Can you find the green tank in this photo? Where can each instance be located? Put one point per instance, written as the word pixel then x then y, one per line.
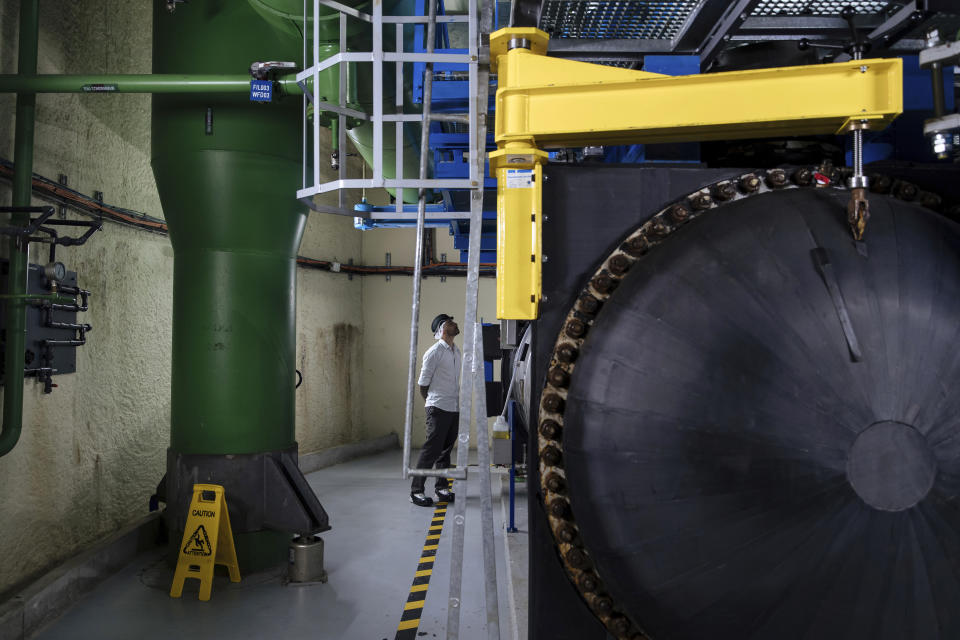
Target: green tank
pixel 227 171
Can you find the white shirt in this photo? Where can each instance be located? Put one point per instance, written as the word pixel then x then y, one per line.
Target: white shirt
pixel 441 372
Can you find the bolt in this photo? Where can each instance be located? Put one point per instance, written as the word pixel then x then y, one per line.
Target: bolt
pixel 679 213
pixel 567 533
pixel 724 191
pixel 588 304
pixel 637 245
pixel 566 353
pixel 701 201
pixel 553 403
pixel 620 625
pixel 551 455
pixel 558 377
pixel 776 178
pixel 559 508
pixel 905 191
pixel 602 283
pixel 575 328
pixel 550 429
pixel 658 227
pixel 544 258
pixel 577 559
pixel 749 183
pixel 619 264
pixel 554 482
pixel 589 583
pixel 803 177
pixel 604 604
pixel 930 200
pixel 863 68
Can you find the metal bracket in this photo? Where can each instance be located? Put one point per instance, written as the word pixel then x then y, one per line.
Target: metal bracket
pixel 264 490
pixel 264 70
pixel 62 209
pixel 945 54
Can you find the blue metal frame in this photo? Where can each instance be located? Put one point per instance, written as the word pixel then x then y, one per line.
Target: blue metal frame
pixel 450 149
pixel 511 420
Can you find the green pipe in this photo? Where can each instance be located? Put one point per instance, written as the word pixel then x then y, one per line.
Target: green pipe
pixel 138 83
pixel 16 317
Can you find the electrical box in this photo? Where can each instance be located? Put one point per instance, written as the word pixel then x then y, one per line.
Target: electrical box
pixel 53 332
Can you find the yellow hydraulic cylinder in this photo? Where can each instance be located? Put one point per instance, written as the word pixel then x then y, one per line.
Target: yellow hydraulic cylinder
pixel 549 102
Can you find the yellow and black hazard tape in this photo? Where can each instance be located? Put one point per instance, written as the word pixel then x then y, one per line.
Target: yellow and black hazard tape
pixel 413 609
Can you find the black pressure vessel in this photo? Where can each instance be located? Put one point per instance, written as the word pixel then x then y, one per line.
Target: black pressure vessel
pixel 761 430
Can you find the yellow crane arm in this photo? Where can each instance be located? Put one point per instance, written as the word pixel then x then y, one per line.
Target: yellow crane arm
pixel 547 102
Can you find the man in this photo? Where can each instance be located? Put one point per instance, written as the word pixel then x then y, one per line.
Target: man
pixel 440 387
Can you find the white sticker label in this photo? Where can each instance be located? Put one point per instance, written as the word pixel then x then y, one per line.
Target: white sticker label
pixel 520 178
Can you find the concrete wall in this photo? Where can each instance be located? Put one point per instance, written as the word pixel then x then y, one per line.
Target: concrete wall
pixel 93 451
pixel 386 321
pixel 329 338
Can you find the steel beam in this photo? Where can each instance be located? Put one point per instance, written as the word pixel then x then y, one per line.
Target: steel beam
pixel 796 27
pixel 564 103
pixel 583 47
pixel 736 15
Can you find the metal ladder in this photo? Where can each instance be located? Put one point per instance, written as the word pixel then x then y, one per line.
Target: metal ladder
pixel 472 389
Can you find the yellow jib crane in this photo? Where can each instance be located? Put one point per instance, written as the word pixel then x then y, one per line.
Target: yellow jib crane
pixel 547 102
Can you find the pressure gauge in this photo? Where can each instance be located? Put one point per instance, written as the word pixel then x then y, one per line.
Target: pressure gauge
pixel 55 271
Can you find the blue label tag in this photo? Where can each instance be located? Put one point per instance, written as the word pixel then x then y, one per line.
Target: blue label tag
pixel 261 90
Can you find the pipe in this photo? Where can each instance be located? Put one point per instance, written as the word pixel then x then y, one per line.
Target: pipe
pixel 418 250
pixel 939 104
pixel 16 317
pixel 137 83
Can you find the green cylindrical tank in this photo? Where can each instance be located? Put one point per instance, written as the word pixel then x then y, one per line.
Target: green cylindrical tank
pixel 227 171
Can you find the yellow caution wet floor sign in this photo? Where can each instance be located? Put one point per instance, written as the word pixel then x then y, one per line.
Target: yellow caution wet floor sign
pixel 207 540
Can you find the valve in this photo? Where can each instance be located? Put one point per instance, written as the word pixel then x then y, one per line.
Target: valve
pixel 172 4
pixel 263 70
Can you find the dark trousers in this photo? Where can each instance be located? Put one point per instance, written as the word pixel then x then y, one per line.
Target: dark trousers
pixel 441 435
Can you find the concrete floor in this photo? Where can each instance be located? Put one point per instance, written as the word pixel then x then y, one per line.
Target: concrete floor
pixel 371 554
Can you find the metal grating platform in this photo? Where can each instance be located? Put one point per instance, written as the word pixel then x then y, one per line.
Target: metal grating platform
pixel 817 7
pixel 621 19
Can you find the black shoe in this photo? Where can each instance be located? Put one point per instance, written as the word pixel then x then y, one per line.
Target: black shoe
pixel 445 495
pixel 421 500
